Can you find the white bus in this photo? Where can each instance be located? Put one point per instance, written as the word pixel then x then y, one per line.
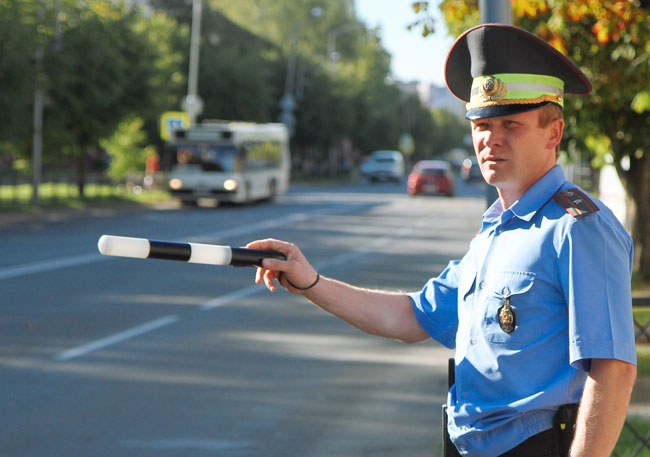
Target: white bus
pixel 235 162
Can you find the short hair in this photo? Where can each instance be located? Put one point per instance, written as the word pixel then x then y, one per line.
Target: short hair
pixel 549 113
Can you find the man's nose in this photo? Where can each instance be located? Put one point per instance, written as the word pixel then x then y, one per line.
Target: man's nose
pixel 493 137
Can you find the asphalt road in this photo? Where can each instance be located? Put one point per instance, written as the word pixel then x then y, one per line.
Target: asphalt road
pixel 106 357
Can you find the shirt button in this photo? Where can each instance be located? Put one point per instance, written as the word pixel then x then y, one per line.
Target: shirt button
pixel 473 341
pixel 481 284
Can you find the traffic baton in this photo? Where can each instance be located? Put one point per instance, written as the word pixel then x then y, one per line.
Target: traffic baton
pixel 210 254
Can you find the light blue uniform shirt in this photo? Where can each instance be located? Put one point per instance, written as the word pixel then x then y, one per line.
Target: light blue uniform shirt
pixel 568 280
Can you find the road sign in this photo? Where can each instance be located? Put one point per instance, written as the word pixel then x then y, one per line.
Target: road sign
pixel 171 121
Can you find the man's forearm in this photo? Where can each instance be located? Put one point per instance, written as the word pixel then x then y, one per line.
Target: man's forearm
pixel 603 408
pixel 387 314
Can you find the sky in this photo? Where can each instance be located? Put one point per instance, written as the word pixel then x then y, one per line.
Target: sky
pixel 414 57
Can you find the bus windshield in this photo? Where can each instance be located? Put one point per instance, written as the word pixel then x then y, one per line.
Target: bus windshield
pixel 210 157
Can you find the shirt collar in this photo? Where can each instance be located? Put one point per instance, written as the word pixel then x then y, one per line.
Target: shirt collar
pixel 529 203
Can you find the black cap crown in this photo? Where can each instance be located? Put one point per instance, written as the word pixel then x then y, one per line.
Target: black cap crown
pixel 500 69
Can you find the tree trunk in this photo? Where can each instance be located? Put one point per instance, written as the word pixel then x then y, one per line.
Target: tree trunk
pixel 638 192
pixel 81 173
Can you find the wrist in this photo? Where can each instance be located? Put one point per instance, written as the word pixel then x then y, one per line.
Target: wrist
pixel 301 289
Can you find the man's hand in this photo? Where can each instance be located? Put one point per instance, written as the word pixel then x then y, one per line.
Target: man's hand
pixel 295 268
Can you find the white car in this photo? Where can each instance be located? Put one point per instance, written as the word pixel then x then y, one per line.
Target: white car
pixel 384 166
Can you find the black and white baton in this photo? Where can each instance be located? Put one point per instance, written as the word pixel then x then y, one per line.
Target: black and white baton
pixel 211 254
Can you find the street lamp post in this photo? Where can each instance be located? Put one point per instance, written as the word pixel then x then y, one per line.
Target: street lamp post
pixel 288 100
pixel 192 103
pixel 332 55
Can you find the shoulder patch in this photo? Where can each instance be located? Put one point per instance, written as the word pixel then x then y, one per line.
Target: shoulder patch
pixel 576 203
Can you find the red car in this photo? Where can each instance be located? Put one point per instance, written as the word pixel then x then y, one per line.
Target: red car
pixel 431 177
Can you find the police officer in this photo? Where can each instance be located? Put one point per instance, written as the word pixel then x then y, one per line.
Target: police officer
pixel 539 309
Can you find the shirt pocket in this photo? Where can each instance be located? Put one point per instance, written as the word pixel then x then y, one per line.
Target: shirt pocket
pixel 518 287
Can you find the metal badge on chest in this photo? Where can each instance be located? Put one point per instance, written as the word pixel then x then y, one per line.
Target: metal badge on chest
pixel 507 318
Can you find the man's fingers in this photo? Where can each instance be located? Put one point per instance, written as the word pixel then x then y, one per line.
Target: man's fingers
pixel 269 280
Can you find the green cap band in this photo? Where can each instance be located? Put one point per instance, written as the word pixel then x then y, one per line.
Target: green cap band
pixel 515 88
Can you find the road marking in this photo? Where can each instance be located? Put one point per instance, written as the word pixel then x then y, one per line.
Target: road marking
pixel 232 296
pixel 228 298
pixel 48 265
pixel 188 443
pixel 74 261
pixel 116 338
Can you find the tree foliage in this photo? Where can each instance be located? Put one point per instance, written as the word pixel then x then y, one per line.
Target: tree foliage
pixel 115 67
pixel 127 148
pixel 108 62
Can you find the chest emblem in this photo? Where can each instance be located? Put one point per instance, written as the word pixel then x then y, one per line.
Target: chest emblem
pixel 507 317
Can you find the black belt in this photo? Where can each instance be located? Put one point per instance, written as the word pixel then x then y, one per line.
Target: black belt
pixel 540 445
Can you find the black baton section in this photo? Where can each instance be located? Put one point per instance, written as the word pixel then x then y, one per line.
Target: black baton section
pixel 448 448
pixel 167 250
pixel 243 257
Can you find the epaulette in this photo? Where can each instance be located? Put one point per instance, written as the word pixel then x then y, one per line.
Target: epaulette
pixel 576 202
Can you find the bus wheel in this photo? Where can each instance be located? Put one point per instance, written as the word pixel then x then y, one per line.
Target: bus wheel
pixel 189 203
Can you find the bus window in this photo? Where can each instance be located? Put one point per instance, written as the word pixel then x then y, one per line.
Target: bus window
pixel 260 155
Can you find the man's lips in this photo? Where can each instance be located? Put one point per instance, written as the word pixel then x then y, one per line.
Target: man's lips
pixel 493 159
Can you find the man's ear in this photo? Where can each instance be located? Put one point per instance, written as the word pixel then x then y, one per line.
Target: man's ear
pixel 556 128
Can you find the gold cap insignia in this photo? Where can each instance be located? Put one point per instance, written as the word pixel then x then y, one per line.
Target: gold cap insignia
pixel 492 89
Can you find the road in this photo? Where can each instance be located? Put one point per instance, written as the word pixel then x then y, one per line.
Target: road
pixel 110 357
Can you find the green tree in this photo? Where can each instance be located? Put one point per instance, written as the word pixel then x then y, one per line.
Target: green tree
pixel 111 65
pixel 18 42
pixel 245 49
pixel 127 148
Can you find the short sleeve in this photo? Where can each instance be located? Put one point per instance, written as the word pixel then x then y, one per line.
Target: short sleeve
pixel 436 305
pixel 595 268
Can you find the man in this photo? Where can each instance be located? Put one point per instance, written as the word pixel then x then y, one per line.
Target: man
pixel 539 309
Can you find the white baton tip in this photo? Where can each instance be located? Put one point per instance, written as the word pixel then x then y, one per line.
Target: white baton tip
pixel 211 254
pixel 123 246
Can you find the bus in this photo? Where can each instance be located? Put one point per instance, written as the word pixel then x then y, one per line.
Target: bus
pixel 235 162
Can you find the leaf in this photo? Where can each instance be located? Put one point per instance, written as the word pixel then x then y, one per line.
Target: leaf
pixel 641 102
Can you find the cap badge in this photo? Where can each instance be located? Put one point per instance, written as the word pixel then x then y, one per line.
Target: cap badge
pixel 492 89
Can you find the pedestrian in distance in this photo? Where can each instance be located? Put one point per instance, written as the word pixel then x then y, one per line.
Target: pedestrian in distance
pixel 539 308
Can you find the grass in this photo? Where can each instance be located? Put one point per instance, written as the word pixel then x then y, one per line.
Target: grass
pixel 643 360
pixel 629 442
pixel 59 195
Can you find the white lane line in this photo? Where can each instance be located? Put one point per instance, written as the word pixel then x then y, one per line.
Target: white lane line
pixel 116 338
pixel 229 298
pixel 232 296
pixel 47 265
pixel 73 261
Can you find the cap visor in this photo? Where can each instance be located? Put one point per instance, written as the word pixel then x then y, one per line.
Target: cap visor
pixel 501 110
